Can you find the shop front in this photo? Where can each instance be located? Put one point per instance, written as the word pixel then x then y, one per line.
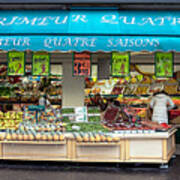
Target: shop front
pixel 76 84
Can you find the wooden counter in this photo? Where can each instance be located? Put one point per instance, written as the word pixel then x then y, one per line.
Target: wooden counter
pixel 143 147
pixel 34 150
pixel 150 148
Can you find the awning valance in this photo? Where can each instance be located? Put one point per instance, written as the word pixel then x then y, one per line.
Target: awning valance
pixel 93 30
pixel 89 43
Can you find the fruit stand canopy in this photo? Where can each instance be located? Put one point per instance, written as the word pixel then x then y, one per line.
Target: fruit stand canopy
pixel 92 30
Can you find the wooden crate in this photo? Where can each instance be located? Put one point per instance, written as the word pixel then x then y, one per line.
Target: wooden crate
pixel 98 152
pixel 34 150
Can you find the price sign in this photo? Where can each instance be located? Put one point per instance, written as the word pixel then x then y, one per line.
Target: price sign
pixel 82 64
pixel 41 64
pixel 16 63
pixel 120 64
pixel 164 64
pixel 81 114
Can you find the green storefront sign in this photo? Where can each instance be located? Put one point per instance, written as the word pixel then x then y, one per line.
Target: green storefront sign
pixel 120 64
pixel 16 63
pixel 41 64
pixel 164 64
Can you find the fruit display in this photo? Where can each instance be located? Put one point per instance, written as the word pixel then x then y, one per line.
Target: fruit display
pixel 67 119
pixel 129 89
pixel 42 126
pixel 93 110
pixel 10 120
pixel 27 89
pixel 6 90
pixel 31 135
pixel 156 86
pixel 48 115
pixel 171 86
pixel 54 122
pixel 156 125
pixel 133 89
pixel 111 114
pixel 95 137
pixel 133 80
pixel 127 119
pixel 85 127
pixel 117 90
pixel 67 111
pixel 104 86
pixel 94 119
pixel 142 89
pixel 171 89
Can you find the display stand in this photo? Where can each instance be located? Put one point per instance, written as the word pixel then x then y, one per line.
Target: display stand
pixel 35 150
pixel 150 148
pixel 145 148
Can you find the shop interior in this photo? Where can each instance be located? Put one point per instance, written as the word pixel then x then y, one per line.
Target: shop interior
pixel 98 109
pixel 67 92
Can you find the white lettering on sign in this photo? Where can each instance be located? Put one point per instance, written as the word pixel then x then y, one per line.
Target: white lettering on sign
pixel 175 21
pixel 109 19
pixel 147 20
pixel 77 18
pixel 44 21
pixel 140 21
pixel 114 19
pixel 2 20
pixel 60 20
pixel 41 21
pixel 70 42
pixel 15 42
pixel 133 42
pixel 12 20
pixel 127 20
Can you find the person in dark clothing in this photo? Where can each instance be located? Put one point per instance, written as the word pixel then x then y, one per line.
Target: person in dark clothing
pixel 97 100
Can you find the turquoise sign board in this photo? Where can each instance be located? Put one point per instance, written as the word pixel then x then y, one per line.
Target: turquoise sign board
pixel 90 43
pixel 90 22
pixel 87 30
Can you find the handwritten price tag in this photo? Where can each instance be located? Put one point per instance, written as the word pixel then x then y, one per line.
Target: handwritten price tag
pixel 164 64
pixel 82 64
pixel 120 64
pixel 16 63
pixel 41 64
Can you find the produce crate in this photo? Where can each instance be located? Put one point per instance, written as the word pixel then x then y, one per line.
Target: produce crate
pixel 98 151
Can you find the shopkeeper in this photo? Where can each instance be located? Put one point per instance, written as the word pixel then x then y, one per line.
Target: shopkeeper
pixel 43 101
pixel 161 103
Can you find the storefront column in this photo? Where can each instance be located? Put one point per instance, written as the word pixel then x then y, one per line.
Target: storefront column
pixel 103 68
pixel 72 87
